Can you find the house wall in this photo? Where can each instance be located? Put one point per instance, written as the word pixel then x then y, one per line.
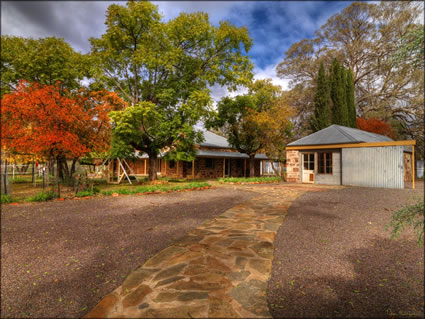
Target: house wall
pixel 201 171
pixel 293 166
pixel 373 166
pixel 329 179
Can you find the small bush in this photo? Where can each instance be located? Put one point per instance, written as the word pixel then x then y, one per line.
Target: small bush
pixel 412 215
pixel 84 194
pixel 43 196
pixel 5 199
pixel 268 179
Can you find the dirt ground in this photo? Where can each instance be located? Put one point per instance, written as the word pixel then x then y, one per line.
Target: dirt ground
pixel 60 258
pixel 334 258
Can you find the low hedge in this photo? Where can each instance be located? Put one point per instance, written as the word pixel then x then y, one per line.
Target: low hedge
pixel 155 188
pixel 250 180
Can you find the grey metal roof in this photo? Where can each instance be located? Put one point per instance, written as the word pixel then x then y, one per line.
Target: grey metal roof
pixel 337 134
pixel 214 140
pixel 212 153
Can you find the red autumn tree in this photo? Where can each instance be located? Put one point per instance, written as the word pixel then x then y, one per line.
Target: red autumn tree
pixel 375 125
pixel 57 124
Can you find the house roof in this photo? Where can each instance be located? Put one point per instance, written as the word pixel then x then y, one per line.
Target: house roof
pixel 337 134
pixel 214 140
pixel 213 153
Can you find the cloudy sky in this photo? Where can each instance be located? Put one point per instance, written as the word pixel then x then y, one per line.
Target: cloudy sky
pixel 274 26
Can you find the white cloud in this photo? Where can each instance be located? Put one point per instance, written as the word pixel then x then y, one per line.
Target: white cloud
pixel 217 11
pixel 269 72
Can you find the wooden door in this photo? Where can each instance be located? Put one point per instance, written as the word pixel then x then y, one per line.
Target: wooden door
pixel 407 164
pixel 308 168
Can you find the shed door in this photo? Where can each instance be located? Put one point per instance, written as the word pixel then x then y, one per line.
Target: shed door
pixel 407 164
pixel 308 168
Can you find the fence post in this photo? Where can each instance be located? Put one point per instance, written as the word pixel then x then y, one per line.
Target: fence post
pixel 44 182
pixel 33 173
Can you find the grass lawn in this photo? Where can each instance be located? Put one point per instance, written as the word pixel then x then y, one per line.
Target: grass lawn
pixel 22 189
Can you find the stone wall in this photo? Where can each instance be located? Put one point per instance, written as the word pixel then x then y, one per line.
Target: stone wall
pixel 201 171
pixel 293 167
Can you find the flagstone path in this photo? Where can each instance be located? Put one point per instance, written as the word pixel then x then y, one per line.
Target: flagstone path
pixel 220 269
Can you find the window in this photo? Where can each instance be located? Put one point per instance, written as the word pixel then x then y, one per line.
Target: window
pixel 171 164
pixel 325 162
pixel 309 161
pixel 209 163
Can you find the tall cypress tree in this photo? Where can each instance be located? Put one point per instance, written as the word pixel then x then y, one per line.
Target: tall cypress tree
pixel 351 107
pixel 320 118
pixel 338 96
pixel 343 94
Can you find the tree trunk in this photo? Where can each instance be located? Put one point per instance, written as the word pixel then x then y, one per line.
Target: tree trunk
pixel 251 166
pixel 152 166
pixel 59 168
pixel 74 162
pixel 5 180
pixel 33 172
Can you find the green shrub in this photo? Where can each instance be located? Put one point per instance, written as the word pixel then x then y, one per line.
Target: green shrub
pixel 264 179
pixel 84 193
pixel 412 215
pixel 153 188
pixel 43 196
pixel 5 199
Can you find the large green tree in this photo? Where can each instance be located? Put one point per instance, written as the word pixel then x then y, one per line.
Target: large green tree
pixel 164 70
pixel 320 119
pixel 45 61
pixel 245 120
pixel 364 37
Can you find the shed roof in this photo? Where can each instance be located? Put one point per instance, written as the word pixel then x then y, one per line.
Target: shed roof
pixel 337 134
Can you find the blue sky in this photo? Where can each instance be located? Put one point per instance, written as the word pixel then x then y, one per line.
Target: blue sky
pixel 273 25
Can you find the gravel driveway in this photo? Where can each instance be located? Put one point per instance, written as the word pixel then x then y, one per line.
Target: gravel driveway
pixel 60 258
pixel 333 257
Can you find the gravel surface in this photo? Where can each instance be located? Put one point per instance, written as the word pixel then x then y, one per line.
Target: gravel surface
pixel 334 258
pixel 60 258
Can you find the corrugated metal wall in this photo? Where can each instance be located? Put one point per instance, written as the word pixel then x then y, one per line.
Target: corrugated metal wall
pixel 373 167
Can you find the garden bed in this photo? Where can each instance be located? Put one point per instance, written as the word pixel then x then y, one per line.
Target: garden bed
pixel 250 180
pixel 111 190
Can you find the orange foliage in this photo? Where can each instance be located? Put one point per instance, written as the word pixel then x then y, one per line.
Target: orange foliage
pixel 374 125
pixel 50 122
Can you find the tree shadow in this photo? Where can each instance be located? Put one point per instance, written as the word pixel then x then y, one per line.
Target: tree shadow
pixel 385 279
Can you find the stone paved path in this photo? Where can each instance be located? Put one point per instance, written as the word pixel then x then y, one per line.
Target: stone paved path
pixel 220 269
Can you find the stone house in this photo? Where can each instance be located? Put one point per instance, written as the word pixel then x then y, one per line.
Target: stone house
pixel 339 155
pixel 215 158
